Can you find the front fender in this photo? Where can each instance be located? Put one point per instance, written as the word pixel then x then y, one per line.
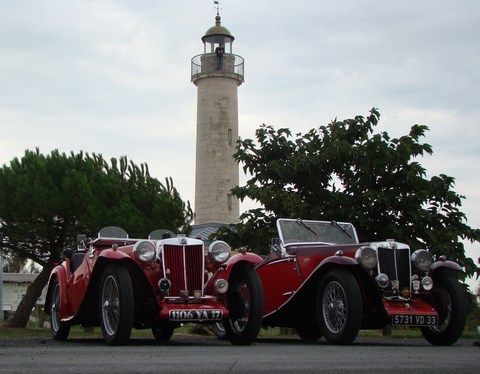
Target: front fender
pixel 106 258
pixel 113 254
pixel 337 260
pixel 444 265
pixel 234 263
pixel 329 263
pixel 60 273
pixel 332 262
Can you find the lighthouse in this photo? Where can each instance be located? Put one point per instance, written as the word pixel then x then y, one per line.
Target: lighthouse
pixel 217 73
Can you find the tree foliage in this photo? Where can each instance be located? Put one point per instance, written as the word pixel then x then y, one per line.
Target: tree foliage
pixel 346 171
pixel 45 201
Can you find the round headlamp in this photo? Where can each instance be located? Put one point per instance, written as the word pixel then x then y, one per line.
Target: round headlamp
pixel 367 257
pixel 144 250
pixel 427 283
pixel 382 280
pixel 164 284
pixel 219 251
pixel 422 260
pixel 221 286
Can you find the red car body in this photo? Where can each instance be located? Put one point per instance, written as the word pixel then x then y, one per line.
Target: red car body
pixel 321 281
pixel 121 283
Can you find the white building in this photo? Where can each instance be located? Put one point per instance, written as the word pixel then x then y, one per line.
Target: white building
pixel 14 288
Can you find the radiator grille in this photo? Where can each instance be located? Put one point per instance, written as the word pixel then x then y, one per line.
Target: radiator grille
pixel 396 264
pixel 184 266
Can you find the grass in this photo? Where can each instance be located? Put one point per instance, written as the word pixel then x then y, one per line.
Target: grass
pixel 473 320
pixel 80 332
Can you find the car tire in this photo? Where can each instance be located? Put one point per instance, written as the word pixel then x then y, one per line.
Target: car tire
pixel 163 334
pixel 60 330
pixel 218 329
pixel 451 304
pixel 339 307
pixel 245 304
pixel 116 305
pixel 309 333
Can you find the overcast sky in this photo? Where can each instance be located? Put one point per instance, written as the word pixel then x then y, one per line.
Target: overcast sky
pixel 113 76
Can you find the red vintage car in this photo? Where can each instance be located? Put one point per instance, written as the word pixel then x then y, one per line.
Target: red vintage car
pixel 121 283
pixel 321 281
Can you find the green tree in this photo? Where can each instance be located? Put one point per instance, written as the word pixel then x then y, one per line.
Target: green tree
pixel 45 201
pixel 345 171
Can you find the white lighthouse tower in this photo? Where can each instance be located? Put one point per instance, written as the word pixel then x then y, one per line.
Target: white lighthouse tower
pixel 217 78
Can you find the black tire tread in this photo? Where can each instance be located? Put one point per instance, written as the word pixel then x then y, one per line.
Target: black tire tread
pixel 354 307
pixel 122 335
pixel 459 312
pixel 250 332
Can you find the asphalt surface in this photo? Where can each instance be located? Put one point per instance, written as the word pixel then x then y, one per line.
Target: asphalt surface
pixel 205 354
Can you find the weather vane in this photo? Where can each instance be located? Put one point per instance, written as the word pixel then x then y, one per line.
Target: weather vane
pixel 216 5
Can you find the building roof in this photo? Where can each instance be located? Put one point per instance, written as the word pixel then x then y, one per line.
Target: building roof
pixel 19 277
pixel 204 230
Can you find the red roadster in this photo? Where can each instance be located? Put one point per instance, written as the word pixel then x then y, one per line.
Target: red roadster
pixel 321 281
pixel 121 283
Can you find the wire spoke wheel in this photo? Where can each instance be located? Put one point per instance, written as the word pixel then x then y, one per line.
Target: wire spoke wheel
pixel 339 307
pixel 116 305
pixel 245 304
pixel 334 307
pixel 55 309
pixel 59 330
pixel 242 306
pixel 443 299
pixel 110 305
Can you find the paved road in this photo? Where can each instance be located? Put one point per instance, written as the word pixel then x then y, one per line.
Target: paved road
pixel 192 354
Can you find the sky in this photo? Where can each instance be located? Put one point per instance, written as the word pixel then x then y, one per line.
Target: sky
pixel 112 77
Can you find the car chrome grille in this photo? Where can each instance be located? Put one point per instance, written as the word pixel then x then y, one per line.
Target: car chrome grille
pixel 396 264
pixel 184 266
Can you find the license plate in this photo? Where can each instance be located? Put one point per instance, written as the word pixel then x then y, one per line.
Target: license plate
pixel 414 320
pixel 195 315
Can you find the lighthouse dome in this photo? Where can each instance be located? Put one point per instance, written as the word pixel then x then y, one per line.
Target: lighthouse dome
pixel 218 33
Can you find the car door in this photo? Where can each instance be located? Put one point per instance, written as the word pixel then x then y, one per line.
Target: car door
pixel 280 280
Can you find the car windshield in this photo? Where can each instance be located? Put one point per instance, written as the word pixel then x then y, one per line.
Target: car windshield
pixel 302 231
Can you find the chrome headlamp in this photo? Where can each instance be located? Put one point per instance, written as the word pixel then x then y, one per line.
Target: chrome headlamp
pixel 422 260
pixel 367 257
pixel 221 286
pixel 144 250
pixel 382 280
pixel 219 251
pixel 164 284
pixel 427 283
